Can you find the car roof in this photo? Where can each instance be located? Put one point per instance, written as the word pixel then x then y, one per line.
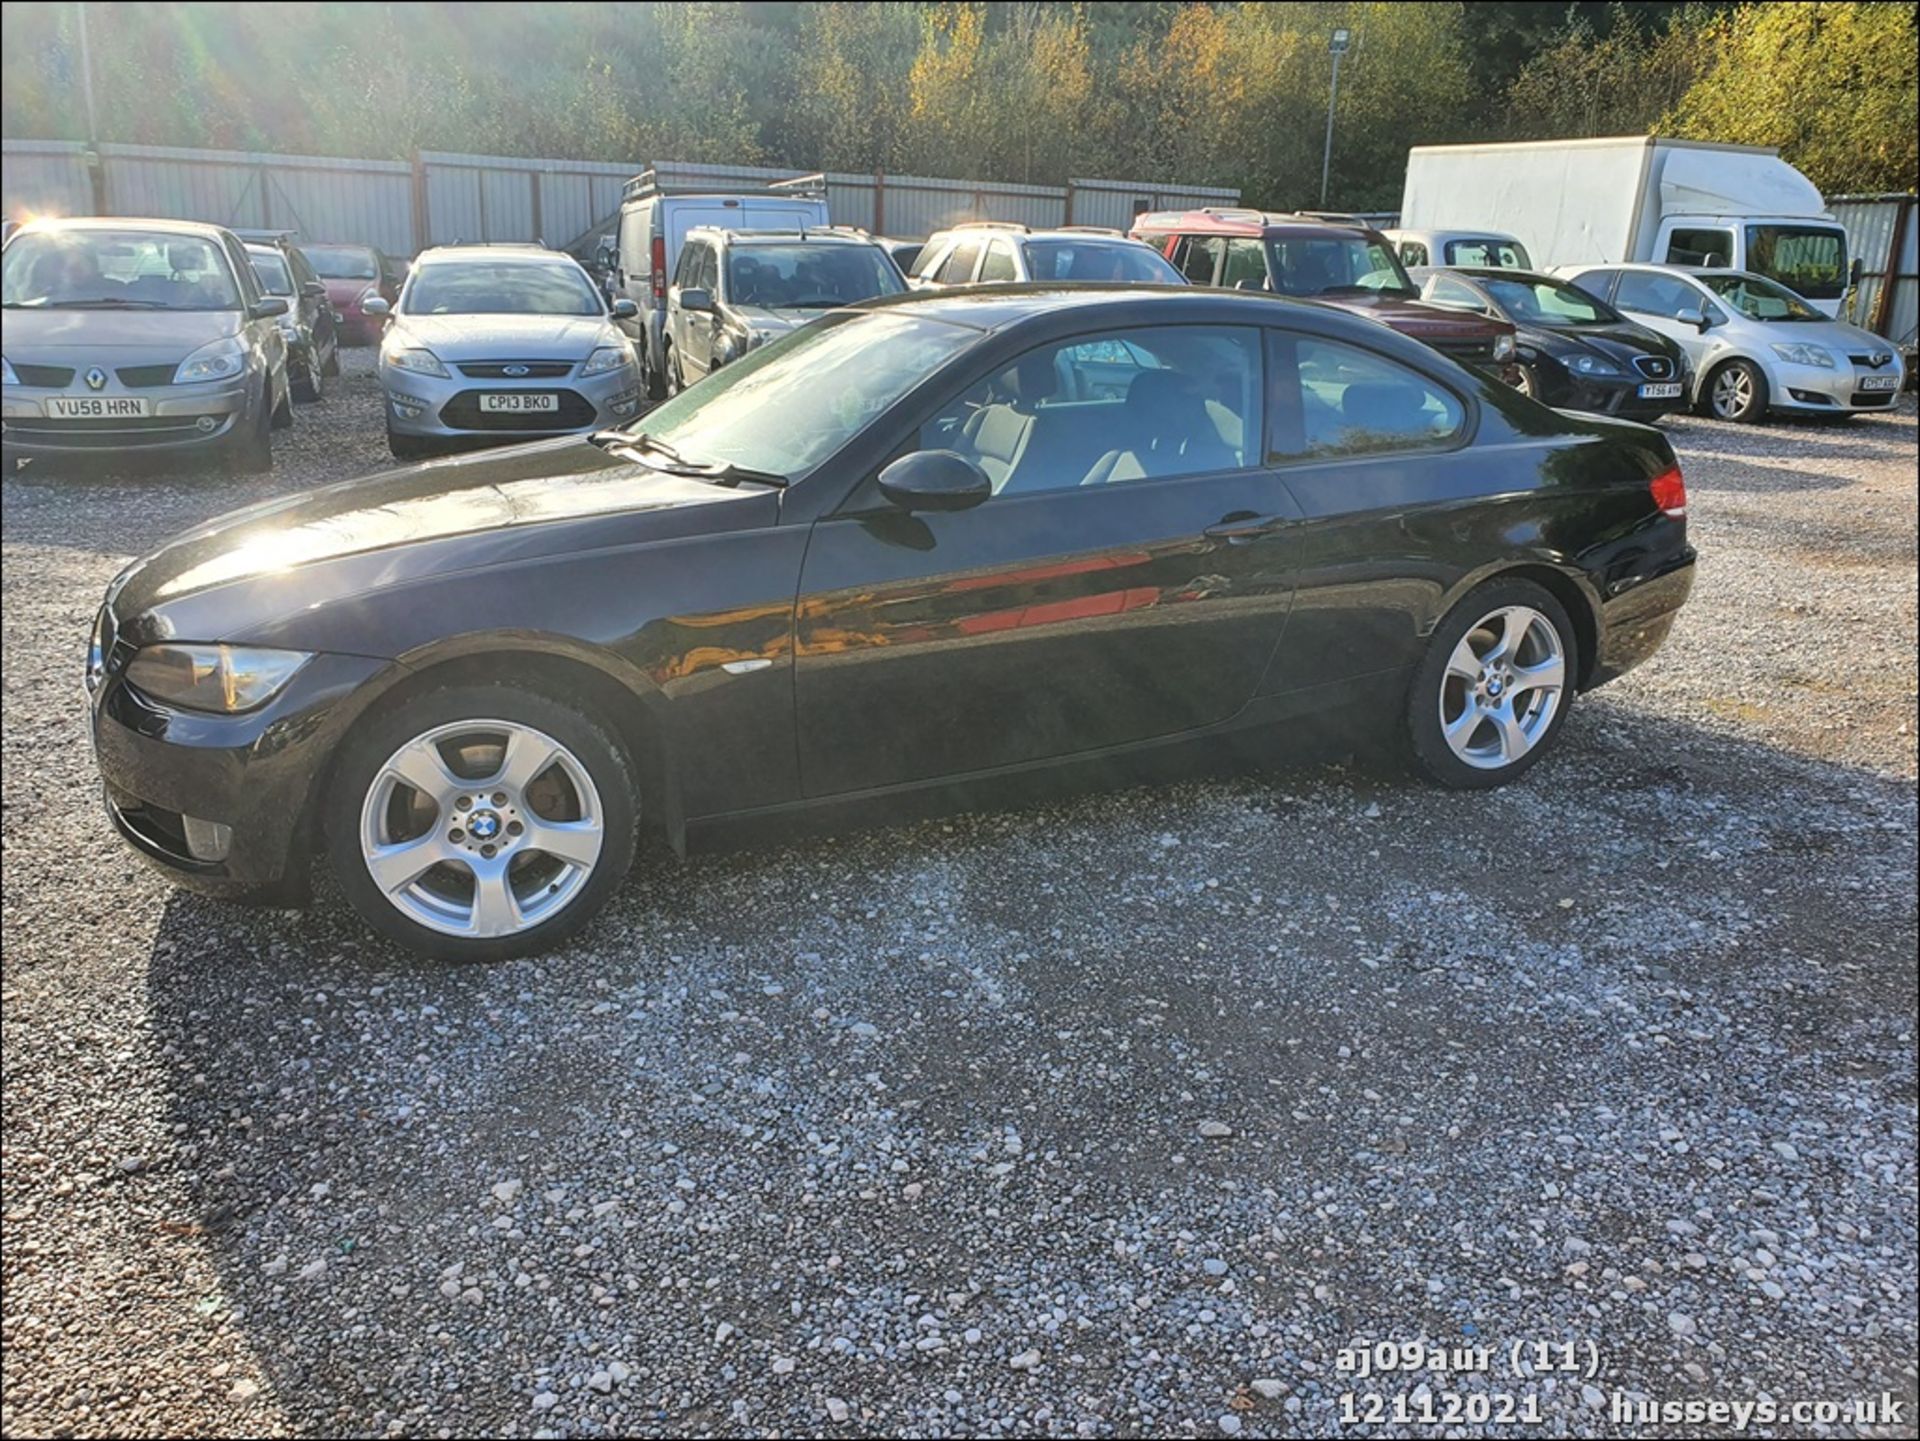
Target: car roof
pixel 1003 305
pixel 821 236
pixel 1495 272
pixel 1221 220
pixel 1014 230
pixel 125 222
pixel 515 254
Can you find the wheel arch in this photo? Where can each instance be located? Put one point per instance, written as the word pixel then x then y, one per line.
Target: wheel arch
pixel 1564 582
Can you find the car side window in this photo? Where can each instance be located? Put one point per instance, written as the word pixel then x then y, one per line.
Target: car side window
pixel 931 258
pixel 1147 404
pixel 1331 400
pixel 1454 295
pixel 1706 246
pixel 959 267
pixel 689 260
pixel 1412 253
pixel 1246 262
pixel 999 263
pixel 1202 258
pixel 1667 296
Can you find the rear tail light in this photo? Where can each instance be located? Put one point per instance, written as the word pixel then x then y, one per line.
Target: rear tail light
pixel 659 267
pixel 1670 493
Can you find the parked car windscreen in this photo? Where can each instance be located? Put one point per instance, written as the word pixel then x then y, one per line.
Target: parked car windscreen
pixel 271 267
pixel 1321 265
pixel 1811 260
pixel 790 405
pixel 809 277
pixel 1759 299
pixel 343 262
pixel 1506 254
pixel 1099 260
pixel 492 287
pixel 1548 302
pixel 112 269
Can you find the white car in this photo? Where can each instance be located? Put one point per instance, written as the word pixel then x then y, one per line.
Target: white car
pixel 1469 248
pixel 1754 345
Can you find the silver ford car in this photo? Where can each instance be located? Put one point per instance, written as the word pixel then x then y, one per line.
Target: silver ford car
pixel 495 343
pixel 128 336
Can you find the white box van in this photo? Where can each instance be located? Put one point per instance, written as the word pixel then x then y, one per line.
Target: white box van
pixel 654 223
pixel 1638 198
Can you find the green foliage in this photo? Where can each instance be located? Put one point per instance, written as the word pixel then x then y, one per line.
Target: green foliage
pixel 1018 90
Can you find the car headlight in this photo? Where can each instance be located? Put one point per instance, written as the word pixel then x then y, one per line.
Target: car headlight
pixel 218 361
pixel 1813 355
pixel 418 359
pixel 1503 347
pixel 607 357
pixel 1593 365
pixel 7 377
pixel 220 678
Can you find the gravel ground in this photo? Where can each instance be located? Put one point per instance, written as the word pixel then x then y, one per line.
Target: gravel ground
pixel 1114 1116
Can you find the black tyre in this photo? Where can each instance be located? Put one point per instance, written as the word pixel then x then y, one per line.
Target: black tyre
pixel 249 448
pixel 283 408
pixel 408 447
pixel 480 822
pixel 332 367
pixel 305 377
pixel 1735 391
pixel 1494 687
pixel 671 363
pixel 656 378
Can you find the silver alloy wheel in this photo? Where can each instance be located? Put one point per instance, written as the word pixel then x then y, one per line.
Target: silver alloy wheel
pixel 1523 380
pixel 481 828
pixel 1732 392
pixel 1502 687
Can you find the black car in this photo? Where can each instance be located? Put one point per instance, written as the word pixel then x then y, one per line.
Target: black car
pixel 310 322
pixel 934 538
pixel 1571 348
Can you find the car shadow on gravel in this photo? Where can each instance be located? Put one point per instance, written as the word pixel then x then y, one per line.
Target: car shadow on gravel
pixel 952 1067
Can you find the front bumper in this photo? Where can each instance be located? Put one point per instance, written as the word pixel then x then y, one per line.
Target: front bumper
pixel 254 774
pixel 1813 390
pixel 182 417
pixel 432 407
pixel 1618 395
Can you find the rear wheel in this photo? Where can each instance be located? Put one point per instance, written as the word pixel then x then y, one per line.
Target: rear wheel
pixel 656 378
pixel 306 377
pixel 1494 687
pixel 672 365
pixel 1736 391
pixel 1524 382
pixel 333 357
pixel 481 822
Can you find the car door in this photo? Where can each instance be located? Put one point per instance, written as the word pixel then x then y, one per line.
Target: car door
pixel 700 270
pixel 1198 257
pixel 1127 581
pixel 316 311
pixel 1671 304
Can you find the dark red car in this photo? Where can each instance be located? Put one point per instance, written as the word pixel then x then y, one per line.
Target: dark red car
pixel 1342 262
pixel 353 275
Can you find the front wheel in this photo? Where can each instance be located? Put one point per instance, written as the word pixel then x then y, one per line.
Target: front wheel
pixel 1737 391
pixel 1494 687
pixel 675 384
pixel 481 822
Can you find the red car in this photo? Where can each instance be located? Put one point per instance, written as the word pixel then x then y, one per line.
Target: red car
pixel 1343 262
pixel 353 275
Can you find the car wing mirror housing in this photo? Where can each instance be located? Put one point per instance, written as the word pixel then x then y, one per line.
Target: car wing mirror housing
pixel 313 288
pixel 934 480
pixel 624 309
pixel 268 308
pixel 375 305
pixel 700 301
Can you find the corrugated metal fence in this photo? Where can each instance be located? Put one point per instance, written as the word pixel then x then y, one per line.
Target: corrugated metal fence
pixel 1884 232
pixel 443 197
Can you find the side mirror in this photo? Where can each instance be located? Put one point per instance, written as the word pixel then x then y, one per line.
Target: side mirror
pixel 935 480
pixel 624 309
pixel 1855 271
pixel 267 309
pixel 375 305
pixel 312 289
pixel 1703 322
pixel 698 301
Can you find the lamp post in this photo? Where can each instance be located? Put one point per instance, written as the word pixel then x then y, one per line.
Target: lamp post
pixel 1336 46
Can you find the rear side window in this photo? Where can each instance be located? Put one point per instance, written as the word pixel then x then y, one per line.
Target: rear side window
pixel 1664 295
pixel 689 262
pixel 1445 290
pixel 1700 247
pixel 1246 263
pixel 1412 252
pixel 1331 400
pixel 931 258
pixel 959 267
pixel 1506 254
pixel 999 263
pixel 1199 258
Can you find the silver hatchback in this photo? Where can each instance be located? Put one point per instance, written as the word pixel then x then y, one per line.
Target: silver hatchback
pixel 127 336
pixel 495 343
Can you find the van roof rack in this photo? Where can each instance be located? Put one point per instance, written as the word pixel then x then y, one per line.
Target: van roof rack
pixel 1334 217
pixel 1234 212
pixel 648 184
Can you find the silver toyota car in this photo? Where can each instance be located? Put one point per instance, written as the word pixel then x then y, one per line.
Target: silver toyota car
pixel 130 336
pixel 497 343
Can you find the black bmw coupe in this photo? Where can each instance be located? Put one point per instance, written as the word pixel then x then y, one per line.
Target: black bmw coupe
pixel 931 539
pixel 1571 348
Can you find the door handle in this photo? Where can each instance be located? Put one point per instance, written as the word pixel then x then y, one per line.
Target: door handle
pixel 1243 526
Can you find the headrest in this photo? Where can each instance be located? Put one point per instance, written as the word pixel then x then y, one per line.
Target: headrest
pixel 1155 391
pixel 1384 407
pixel 186 257
pixel 1031 378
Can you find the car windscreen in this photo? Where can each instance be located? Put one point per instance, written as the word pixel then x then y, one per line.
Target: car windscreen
pixel 342 262
pixel 1500 254
pixel 1809 260
pixel 495 287
pixel 1759 299
pixel 1095 261
pixel 271 267
pixel 1548 302
pixel 1324 264
pixel 823 276
pixel 790 405
pixel 116 269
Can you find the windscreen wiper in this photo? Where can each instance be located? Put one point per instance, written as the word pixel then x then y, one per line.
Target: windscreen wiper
pixel 678 464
